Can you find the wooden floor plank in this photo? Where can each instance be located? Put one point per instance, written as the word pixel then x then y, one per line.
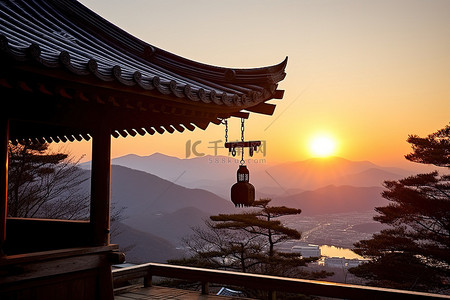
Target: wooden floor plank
pixel 164 293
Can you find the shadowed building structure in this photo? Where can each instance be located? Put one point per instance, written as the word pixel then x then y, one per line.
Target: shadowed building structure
pixel 67 74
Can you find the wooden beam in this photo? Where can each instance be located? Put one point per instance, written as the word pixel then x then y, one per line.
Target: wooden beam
pixel 100 186
pixel 43 256
pixel 4 137
pixel 278 94
pixel 240 114
pixel 262 108
pixel 216 121
pixel 201 125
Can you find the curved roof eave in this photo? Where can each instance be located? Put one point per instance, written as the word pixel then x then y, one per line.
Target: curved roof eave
pixel 64 40
pixel 64 33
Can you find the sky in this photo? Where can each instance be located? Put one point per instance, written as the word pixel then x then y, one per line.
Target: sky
pixel 366 73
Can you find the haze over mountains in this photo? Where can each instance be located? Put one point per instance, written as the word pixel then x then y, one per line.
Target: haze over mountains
pixel 144 193
pixel 158 213
pixel 334 199
pixel 218 173
pixel 164 197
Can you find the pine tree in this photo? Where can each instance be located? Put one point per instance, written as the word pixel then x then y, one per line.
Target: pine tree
pixel 434 149
pixel 45 184
pixel 414 252
pixel 247 242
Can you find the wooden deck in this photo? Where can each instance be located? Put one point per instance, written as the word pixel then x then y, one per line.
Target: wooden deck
pixel 265 283
pixel 158 292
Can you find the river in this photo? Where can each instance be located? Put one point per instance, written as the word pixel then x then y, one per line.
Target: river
pixel 333 251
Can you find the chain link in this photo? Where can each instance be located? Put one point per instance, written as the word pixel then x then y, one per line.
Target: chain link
pixel 242 129
pixel 233 151
pixel 226 130
pixel 242 139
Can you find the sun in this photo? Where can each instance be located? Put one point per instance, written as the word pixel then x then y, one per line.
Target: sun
pixel 322 146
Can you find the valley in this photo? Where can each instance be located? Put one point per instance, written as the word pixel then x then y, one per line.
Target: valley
pixel 158 213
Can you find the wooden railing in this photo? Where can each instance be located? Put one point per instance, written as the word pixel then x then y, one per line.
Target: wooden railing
pixel 263 282
pixel 56 274
pixel 26 235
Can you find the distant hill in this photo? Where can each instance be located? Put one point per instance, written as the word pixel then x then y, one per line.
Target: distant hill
pixel 334 199
pixel 218 173
pixel 369 177
pixel 164 209
pixel 212 173
pixel 144 193
pixel 170 226
pixel 319 172
pixel 159 213
pixel 160 207
pixel 186 171
pixel 143 246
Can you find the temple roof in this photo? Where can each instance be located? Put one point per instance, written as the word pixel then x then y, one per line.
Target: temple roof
pixel 59 49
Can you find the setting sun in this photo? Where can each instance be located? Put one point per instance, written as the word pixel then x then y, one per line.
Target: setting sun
pixel 322 146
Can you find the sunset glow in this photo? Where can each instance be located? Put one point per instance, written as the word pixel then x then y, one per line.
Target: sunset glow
pixel 322 146
pixel 373 83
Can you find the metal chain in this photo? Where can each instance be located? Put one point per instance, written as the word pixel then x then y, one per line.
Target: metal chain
pixel 242 129
pixel 242 139
pixel 226 130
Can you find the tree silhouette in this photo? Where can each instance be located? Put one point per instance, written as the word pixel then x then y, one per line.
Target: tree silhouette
pixel 434 149
pixel 45 184
pixel 414 252
pixel 247 242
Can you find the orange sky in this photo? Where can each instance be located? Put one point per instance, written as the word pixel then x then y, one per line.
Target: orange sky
pixel 367 73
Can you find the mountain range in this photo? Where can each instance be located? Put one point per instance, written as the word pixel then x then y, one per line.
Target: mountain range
pixel 334 199
pixel 218 173
pixel 141 246
pixel 157 213
pixel 319 172
pixel 160 208
pixel 144 193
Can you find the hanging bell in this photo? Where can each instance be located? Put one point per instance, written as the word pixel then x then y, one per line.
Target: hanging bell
pixel 242 192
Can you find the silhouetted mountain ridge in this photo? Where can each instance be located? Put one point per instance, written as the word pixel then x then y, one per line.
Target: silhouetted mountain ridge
pixel 142 246
pixel 217 173
pixel 162 212
pixel 319 172
pixel 334 199
pixel 141 193
pixel 171 226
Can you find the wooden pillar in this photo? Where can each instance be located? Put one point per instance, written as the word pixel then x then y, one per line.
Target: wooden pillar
pixel 272 295
pixel 100 186
pixel 4 139
pixel 148 279
pixel 205 288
